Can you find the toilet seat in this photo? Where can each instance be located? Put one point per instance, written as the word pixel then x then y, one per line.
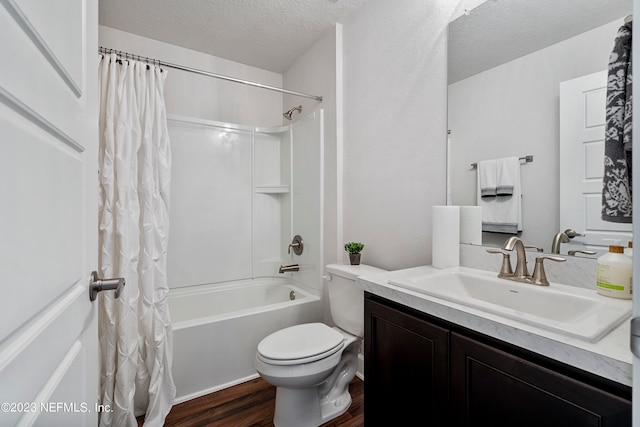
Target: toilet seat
pixel 299 344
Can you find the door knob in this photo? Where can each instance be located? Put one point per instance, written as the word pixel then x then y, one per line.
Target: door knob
pixel 99 285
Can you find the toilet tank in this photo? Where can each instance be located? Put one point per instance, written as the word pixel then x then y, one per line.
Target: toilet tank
pixel 346 299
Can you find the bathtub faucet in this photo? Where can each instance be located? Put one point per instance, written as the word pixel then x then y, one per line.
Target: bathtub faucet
pixel 287 268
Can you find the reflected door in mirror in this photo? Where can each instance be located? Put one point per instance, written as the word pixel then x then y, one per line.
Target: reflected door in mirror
pixel 582 127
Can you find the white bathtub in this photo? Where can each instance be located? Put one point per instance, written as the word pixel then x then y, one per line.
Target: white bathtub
pixel 216 329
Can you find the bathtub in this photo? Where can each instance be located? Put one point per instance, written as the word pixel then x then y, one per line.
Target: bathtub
pixel 217 328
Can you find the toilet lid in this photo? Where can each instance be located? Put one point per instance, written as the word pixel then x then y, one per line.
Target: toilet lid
pixel 301 342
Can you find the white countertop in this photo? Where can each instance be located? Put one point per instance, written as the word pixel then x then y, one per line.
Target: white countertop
pixel 610 357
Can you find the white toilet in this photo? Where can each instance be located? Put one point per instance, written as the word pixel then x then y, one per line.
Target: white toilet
pixel 312 364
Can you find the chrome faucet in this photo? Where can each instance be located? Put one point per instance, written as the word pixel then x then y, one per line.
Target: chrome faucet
pixel 521 273
pixel 288 268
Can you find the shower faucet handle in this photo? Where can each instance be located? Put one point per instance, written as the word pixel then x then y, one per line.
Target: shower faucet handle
pixel 297 244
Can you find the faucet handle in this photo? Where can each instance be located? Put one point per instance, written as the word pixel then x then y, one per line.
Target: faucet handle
pixel 297 244
pixel 539 276
pixel 573 252
pixel 505 269
pixel 537 248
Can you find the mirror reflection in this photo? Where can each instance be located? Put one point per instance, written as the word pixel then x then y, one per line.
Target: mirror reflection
pixel 507 62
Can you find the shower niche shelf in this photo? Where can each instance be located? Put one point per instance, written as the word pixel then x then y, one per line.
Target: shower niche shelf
pixel 272 189
pixel 272 198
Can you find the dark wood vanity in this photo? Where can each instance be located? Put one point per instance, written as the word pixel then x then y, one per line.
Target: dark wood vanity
pixel 422 370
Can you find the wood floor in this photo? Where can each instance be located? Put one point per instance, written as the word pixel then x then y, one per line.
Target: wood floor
pixel 251 404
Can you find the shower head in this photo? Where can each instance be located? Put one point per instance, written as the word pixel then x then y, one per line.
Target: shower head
pixel 287 115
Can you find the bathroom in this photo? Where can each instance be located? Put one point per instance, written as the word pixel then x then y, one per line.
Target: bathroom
pixel 384 131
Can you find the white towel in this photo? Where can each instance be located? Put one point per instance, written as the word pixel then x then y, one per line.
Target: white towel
pixel 487 178
pixel 507 171
pixel 503 214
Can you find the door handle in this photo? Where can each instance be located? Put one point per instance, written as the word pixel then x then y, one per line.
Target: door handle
pixel 99 285
pixel 571 233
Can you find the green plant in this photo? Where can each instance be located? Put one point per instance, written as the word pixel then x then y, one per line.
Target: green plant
pixel 354 247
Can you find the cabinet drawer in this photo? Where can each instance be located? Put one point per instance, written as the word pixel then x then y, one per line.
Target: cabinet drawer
pixel 492 387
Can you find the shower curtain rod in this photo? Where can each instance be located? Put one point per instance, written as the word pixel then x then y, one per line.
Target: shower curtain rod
pixel 205 73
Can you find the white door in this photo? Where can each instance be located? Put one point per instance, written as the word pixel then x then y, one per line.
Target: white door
pixel 582 126
pixel 48 212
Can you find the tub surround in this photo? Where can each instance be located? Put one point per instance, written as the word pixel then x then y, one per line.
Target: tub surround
pixel 609 358
pixel 217 328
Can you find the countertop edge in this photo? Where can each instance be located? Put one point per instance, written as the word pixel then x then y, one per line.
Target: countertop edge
pixel 608 358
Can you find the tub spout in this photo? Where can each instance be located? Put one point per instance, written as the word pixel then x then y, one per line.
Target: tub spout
pixel 288 268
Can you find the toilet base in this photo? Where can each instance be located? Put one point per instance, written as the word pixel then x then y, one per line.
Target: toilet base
pixel 297 407
pixel 335 408
pixel 303 408
pixel 313 406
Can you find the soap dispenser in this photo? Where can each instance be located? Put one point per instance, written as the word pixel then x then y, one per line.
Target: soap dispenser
pixel 614 273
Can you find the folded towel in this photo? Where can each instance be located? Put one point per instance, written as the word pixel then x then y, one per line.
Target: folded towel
pixel 503 214
pixel 487 178
pixel 506 170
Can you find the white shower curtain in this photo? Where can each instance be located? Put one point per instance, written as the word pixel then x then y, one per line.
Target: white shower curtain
pixel 135 160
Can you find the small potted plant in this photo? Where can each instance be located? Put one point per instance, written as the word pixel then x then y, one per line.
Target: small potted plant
pixel 354 249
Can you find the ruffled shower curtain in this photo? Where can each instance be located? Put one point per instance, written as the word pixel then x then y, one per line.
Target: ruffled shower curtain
pixel 135 160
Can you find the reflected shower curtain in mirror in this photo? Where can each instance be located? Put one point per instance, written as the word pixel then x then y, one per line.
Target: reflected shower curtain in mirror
pixel 134 169
pixel 616 190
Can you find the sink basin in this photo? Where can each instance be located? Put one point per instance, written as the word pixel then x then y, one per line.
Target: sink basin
pixel 572 311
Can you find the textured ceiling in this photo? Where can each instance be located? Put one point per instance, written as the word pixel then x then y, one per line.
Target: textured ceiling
pixel 499 31
pixel 269 34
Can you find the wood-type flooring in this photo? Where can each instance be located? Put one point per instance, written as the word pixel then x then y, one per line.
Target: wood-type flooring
pixel 251 404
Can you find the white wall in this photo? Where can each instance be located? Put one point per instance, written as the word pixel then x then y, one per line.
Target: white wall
pixel 193 95
pixel 513 110
pixel 395 124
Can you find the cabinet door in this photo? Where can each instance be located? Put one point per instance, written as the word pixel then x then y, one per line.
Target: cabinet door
pixel 406 369
pixel 491 387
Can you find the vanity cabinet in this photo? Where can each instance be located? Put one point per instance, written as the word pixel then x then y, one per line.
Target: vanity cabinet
pixel 406 369
pixel 418 367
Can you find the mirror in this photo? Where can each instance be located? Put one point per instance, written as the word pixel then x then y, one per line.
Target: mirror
pixel 506 61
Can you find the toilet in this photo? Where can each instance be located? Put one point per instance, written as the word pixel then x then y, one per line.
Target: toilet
pixel 312 364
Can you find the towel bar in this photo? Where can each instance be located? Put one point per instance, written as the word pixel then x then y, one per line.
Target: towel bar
pixel 527 159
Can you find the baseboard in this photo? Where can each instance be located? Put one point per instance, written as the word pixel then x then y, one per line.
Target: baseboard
pixel 214 389
pixel 360 371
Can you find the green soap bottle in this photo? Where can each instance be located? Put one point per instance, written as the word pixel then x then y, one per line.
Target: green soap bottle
pixel 614 277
